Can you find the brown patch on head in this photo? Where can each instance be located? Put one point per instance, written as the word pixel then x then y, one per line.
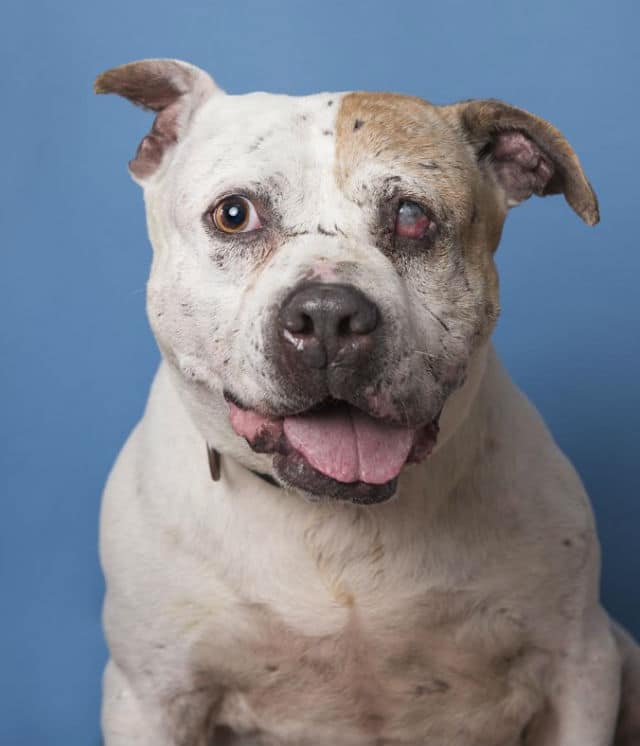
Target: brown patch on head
pixel 414 143
pixel 409 136
pixel 403 133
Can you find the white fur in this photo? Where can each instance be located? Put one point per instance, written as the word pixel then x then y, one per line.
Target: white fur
pixel 460 612
pixel 192 566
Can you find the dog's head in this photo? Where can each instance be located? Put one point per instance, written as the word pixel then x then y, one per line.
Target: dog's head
pixel 323 273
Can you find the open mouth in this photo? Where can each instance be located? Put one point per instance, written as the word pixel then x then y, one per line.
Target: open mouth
pixel 335 449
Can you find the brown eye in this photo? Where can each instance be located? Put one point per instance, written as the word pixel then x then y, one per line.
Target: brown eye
pixel 235 214
pixel 412 221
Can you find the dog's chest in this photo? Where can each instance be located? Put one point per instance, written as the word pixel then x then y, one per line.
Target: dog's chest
pixel 442 668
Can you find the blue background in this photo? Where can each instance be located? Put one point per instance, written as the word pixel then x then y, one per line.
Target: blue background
pixel 77 354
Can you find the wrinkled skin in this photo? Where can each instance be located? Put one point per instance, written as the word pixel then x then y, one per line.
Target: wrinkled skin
pixel 464 611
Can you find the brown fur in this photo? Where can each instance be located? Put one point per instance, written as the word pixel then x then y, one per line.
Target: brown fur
pixel 168 87
pixel 482 120
pixel 411 136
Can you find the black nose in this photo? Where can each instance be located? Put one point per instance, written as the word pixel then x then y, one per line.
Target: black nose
pixel 321 323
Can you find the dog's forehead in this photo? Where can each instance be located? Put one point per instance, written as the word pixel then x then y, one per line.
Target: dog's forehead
pixel 337 134
pixel 238 142
pixel 401 131
pixel 250 124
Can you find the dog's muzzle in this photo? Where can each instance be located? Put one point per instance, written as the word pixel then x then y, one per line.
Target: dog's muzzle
pixel 327 348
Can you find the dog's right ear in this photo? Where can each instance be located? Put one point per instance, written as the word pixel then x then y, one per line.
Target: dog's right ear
pixel 173 89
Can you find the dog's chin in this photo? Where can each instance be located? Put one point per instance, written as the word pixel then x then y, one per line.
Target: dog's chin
pixel 334 450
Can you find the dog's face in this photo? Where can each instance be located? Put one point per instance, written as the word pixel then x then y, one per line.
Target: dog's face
pixel 325 263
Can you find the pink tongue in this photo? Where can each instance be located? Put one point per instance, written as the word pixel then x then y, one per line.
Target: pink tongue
pixel 350 446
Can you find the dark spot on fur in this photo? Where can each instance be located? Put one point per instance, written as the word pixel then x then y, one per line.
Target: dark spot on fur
pixel 224 736
pixel 324 231
pixel 339 230
pixel 357 124
pixel 327 132
pixel 257 143
pixel 440 685
pixel 271 667
pixel 187 309
pixel 436 686
pixel 567 543
pixel 490 310
pixel 330 102
pixel 372 721
pixel 507 660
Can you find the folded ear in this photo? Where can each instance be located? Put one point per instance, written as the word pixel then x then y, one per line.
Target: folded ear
pixel 526 154
pixel 173 89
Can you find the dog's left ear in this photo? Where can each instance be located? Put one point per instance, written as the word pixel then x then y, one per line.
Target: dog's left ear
pixel 526 154
pixel 173 89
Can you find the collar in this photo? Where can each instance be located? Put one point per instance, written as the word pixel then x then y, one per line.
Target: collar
pixel 213 457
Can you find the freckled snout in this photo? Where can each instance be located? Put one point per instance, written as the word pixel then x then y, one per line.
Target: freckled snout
pixel 324 324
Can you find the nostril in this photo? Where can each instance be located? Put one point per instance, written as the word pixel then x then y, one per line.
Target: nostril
pixel 307 324
pixel 345 326
pixel 363 322
pixel 299 323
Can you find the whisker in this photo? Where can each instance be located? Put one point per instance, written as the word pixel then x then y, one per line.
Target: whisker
pixel 404 411
pixel 438 319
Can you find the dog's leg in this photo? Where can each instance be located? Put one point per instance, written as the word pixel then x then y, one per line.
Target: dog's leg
pixel 628 729
pixel 584 699
pixel 124 720
pixel 127 720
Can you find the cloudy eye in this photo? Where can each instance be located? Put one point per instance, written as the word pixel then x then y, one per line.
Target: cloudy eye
pixel 412 221
pixel 235 214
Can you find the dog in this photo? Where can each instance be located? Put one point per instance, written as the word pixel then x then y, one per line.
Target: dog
pixel 338 521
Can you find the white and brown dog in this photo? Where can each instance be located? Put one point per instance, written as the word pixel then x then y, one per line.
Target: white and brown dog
pixel 323 290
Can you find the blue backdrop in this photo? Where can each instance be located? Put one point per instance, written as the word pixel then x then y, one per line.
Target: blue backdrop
pixel 77 354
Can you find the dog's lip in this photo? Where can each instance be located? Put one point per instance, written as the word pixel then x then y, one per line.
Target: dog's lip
pixel 318 406
pixel 310 452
